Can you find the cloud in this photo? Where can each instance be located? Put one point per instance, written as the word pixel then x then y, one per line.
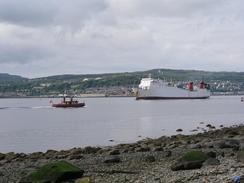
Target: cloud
pixel 48 12
pixel 94 36
pixel 163 8
pixel 27 12
pixel 22 54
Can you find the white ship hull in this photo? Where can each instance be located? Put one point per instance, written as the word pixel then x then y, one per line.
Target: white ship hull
pixel 157 89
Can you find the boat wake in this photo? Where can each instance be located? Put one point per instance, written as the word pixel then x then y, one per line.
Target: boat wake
pixel 42 107
pixel 26 107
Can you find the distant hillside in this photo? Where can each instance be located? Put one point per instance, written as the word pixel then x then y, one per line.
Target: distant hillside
pixel 8 77
pixel 99 83
pixel 158 73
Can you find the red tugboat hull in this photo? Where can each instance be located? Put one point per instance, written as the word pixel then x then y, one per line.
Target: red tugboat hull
pixel 63 105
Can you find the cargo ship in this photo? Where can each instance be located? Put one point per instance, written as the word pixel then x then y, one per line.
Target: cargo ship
pixel 150 88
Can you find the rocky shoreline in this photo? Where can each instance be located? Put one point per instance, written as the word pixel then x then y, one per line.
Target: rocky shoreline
pixel 150 160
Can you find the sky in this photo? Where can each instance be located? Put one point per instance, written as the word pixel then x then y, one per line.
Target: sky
pixel 50 37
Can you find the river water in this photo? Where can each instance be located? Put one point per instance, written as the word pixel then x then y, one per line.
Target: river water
pixel 29 125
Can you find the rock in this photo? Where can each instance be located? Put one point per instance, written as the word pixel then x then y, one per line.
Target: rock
pixel 54 172
pixel 75 156
pixel 2 156
pixel 91 150
pixel 209 125
pixel 179 130
pixel 157 143
pixel 211 161
pixel 112 159
pixel 232 133
pixel 211 154
pixel 84 180
pixel 101 151
pixel 50 151
pixel 186 165
pixel 240 156
pixel 36 155
pixel 11 156
pixel 195 146
pixel 142 149
pixel 241 144
pixel 50 154
pixel 167 154
pixel 125 150
pixel 191 160
pixel 232 143
pixel 231 154
pixel 21 157
pixel 149 158
pixel 76 153
pixel 232 170
pixel 226 143
pixel 156 149
pixel 114 152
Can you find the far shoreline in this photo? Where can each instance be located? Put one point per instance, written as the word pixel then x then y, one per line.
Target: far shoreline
pixel 97 96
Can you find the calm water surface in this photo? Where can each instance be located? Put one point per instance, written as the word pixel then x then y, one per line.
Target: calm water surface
pixel 28 125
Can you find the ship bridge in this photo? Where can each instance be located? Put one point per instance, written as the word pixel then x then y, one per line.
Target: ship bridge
pixel 147 83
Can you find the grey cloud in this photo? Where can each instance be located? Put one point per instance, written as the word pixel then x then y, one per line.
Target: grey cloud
pixel 23 54
pixel 164 8
pixel 90 36
pixel 27 12
pixel 48 12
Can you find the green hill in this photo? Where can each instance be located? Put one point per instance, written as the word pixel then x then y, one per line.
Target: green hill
pixel 4 77
pixel 219 81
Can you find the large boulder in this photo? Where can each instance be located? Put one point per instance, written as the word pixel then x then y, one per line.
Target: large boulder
pixel 186 165
pixel 190 160
pixel 226 143
pixel 54 172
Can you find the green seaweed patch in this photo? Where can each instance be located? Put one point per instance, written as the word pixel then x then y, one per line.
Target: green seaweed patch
pixel 195 156
pixel 54 172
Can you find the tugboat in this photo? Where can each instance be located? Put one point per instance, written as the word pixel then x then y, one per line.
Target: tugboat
pixel 68 103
